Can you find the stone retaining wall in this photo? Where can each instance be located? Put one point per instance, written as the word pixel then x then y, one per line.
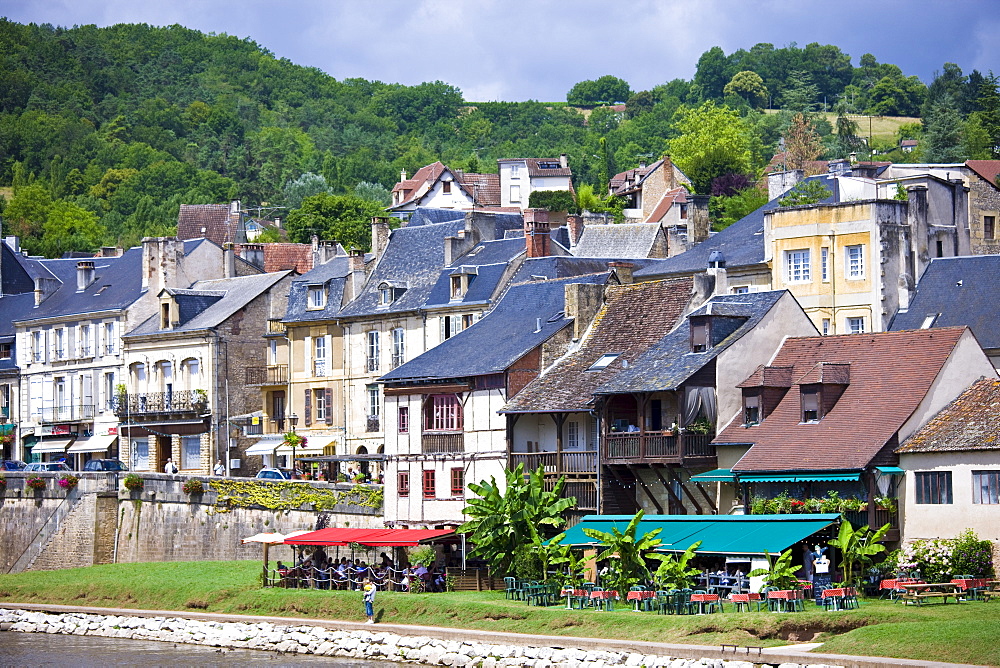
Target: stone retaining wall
pixel 367 644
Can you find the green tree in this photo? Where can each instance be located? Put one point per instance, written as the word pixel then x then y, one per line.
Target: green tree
pixel 810 191
pixel 342 218
pixel 726 210
pixel 800 93
pixel 711 74
pixel 896 95
pixel 749 86
pixel 942 132
pixel 674 572
pixel 504 519
pixel 848 140
pixel 626 553
pixel 373 192
pixel 988 104
pixel 70 228
pixel 604 90
pixel 307 185
pixel 552 200
pixel 857 548
pixel 27 212
pixel 712 141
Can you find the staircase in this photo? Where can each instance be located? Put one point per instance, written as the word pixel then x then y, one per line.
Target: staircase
pixel 618 493
pixel 47 532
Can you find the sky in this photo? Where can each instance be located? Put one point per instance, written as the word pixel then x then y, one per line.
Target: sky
pixel 515 50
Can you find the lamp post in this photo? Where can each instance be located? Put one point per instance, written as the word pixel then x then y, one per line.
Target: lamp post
pixel 293 420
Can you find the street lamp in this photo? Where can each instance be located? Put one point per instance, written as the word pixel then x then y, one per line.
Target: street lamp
pixel 293 420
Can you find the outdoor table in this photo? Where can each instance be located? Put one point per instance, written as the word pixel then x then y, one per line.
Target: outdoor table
pixel 967 584
pixel 839 597
pixel 604 600
pixel 915 592
pixel 640 597
pixel 702 599
pixel 786 597
pixel 893 585
pixel 739 600
pixel 992 589
pixel 573 595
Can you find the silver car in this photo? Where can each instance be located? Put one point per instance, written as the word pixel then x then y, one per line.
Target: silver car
pixel 46 466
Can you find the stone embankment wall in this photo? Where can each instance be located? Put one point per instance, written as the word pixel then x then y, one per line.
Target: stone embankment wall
pixel 371 645
pixel 100 522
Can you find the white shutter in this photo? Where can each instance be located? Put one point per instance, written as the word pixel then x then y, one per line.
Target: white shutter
pixel 308 354
pixel 328 346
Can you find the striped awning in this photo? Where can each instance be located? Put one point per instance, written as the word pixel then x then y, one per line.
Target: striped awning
pixel 51 446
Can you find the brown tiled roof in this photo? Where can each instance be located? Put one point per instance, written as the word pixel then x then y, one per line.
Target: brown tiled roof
pixel 769 376
pixel 967 423
pixel 678 195
pixel 832 373
pixel 484 189
pixel 629 180
pixel 211 221
pixel 417 185
pixel 633 318
pixel 890 374
pixel 284 256
pixel 988 169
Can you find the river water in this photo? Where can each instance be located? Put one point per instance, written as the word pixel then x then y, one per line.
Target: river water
pixel 21 650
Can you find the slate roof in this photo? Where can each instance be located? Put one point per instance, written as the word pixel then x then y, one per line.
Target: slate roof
pixel 633 318
pixel 208 304
pixel 18 272
pixel 488 261
pixel 668 363
pixel 967 423
pixel 880 398
pixel 12 307
pixel 742 243
pixel 501 337
pixel 333 275
pixel 963 290
pixel 625 240
pixel 563 266
pixel 211 221
pixel 987 169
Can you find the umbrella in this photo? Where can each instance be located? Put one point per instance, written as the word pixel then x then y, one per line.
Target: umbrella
pixel 269 539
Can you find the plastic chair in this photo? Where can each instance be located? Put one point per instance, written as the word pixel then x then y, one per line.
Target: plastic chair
pixel 510 587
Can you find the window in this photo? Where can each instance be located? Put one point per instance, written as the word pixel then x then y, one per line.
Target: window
pixel 403 419
pixel 933 487
pixel 319 356
pixel 456 286
pixel 444 413
pixel 573 435
pixel 458 482
pixel 515 171
pixel 84 340
pixel 940 248
pixel 989 227
pixel 986 487
pixel 797 264
pixel 929 320
pixel 165 315
pixel 810 405
pixel 603 361
pixel 6 350
pixel 467 320
pixel 140 454
pixel 320 404
pixel 856 325
pixel 60 343
pixel 428 484
pixel 515 193
pixel 272 349
pixel 855 262
pixel 824 257
pixel 386 294
pixel 317 297
pixel 190 452
pixel 110 395
pixel 372 350
pixel 751 409
pixel 699 336
pixel 37 348
pixel 403 483
pixel 452 325
pixel 446 187
pixel 109 338
pixel 826 326
pixel 741 290
pixel 374 408
pixel 398 347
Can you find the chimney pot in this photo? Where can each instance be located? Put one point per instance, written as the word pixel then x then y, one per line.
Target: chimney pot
pixel 84 274
pixel 623 270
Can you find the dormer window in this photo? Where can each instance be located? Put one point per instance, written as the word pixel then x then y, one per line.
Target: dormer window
pixel 164 315
pixel 317 297
pixel 751 409
pixel 446 187
pixel 460 280
pixel 456 287
pixel 810 399
pixel 389 292
pixel 700 341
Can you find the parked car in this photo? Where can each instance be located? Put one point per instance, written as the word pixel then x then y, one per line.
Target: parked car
pixel 104 465
pixel 12 465
pixel 275 474
pixel 46 466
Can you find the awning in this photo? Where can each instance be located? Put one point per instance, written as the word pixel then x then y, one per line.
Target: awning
pixel 264 446
pixel 717 475
pixel 50 446
pixel 719 534
pixel 890 470
pixel 369 537
pixel 93 444
pixel 313 444
pixel 808 477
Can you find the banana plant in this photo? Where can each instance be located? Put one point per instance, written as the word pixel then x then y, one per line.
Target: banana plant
pixel 627 553
pixel 779 573
pixel 857 547
pixel 674 572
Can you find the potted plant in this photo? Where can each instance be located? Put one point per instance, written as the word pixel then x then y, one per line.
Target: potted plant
pixel 68 481
pixel 133 482
pixel 3 481
pixel 193 486
pixel 886 503
pixel 36 483
pixel 199 399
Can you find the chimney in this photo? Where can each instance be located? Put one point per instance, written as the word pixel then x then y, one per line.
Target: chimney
pixel 402 175
pixel 45 288
pixel 326 251
pixel 14 243
pixel 356 265
pixel 582 302
pixel 563 161
pixel 717 269
pixel 380 235
pixel 668 170
pixel 111 251
pixel 574 225
pixel 162 258
pixel 228 261
pixel 252 253
pixel 277 223
pixel 85 274
pixel 623 270
pixel 698 224
pixel 536 232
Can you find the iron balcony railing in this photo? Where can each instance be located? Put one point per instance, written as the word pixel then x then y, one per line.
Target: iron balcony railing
pixel 182 401
pixel 65 413
pixel 273 374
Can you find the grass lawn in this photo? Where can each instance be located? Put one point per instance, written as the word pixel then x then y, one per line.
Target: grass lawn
pixel 935 632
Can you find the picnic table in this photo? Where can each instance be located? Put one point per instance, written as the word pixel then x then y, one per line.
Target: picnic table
pixel 739 600
pixel 702 599
pixel 604 600
pixel 788 600
pixel 918 592
pixel 643 598
pixel 893 586
pixel 992 589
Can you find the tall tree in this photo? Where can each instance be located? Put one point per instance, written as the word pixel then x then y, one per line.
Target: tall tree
pixel 800 93
pixel 604 90
pixel 342 218
pixel 712 141
pixel 802 144
pixel 712 74
pixel 749 86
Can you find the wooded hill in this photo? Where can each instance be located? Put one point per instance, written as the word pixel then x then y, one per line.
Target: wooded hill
pixel 104 132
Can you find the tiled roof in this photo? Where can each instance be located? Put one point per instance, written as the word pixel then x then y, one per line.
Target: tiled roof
pixel 625 240
pixel 963 290
pixel 418 184
pixel 633 318
pixel 285 256
pixel 628 181
pixel 967 423
pixel 988 169
pixel 669 362
pixel 488 261
pixel 527 315
pixel 890 374
pixel 669 198
pixel 484 189
pixel 211 221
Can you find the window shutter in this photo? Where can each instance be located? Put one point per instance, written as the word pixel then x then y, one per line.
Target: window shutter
pixel 309 408
pixel 329 364
pixel 329 405
pixel 308 354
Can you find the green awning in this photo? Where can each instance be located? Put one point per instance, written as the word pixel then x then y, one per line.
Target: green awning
pixel 719 534
pixel 890 470
pixel 717 475
pixel 791 477
pixel 6 429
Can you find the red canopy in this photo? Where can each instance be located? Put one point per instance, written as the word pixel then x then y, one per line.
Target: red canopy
pixel 369 537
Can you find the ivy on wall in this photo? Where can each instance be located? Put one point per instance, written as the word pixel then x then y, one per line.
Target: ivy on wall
pixel 289 495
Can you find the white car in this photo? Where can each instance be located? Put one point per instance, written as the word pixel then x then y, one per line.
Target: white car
pixel 46 466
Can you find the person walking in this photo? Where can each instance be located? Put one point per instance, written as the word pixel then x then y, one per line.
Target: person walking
pixel 170 467
pixel 369 599
pixel 220 468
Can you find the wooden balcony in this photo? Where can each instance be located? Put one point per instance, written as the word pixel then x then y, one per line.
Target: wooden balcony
pixel 434 443
pixel 572 463
pixel 274 374
pixel 658 447
pixel 276 327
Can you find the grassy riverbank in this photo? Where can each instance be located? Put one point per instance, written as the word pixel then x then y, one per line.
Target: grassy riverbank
pixel 952 633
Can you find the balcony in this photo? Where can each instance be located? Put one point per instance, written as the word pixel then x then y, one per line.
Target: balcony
pixel 274 374
pixel 658 447
pixel 276 327
pixel 319 368
pixel 440 443
pixel 184 401
pixel 570 463
pixel 373 423
pixel 65 414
